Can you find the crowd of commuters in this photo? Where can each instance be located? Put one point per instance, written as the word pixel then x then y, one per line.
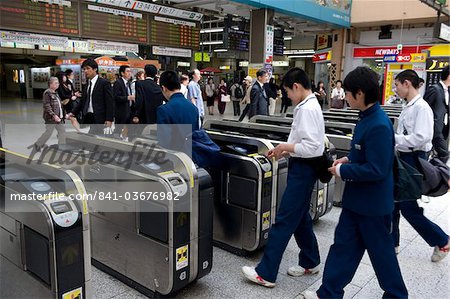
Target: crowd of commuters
pixel 370 218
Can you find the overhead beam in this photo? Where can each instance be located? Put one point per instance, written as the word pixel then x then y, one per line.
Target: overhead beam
pixel 437 6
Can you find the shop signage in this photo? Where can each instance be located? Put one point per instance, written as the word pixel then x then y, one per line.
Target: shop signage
pixel 374 52
pixel 389 58
pixel 268 53
pixel 403 58
pixel 174 21
pixel 152 8
pixel 113 11
pixel 418 57
pixel 243 63
pixel 322 41
pixel 166 51
pixel 33 39
pixel 225 67
pixel 436 64
pixel 322 57
pixel 183 64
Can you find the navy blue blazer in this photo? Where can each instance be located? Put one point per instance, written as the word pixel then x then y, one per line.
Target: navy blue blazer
pixel 178 111
pixel 369 180
pixel 435 97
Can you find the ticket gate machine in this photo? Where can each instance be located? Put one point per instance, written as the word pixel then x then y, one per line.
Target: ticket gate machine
pixel 323 194
pixel 246 185
pixel 155 246
pixel 44 231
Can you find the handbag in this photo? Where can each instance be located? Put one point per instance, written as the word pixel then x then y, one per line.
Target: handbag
pixel 322 163
pixel 225 98
pixel 337 103
pixel 407 181
pixel 435 177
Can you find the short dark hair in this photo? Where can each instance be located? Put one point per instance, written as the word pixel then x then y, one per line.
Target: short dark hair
pixel 69 72
pixel 122 69
pixel 170 80
pixel 409 75
pixel 150 70
pixel 296 75
pixel 338 82
pixel 90 62
pixel 261 73
pixel 445 72
pixel 421 80
pixel 365 80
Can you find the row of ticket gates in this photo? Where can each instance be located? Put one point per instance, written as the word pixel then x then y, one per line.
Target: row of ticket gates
pixel 155 246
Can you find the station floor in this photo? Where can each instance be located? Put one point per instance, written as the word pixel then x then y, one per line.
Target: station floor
pixel 423 278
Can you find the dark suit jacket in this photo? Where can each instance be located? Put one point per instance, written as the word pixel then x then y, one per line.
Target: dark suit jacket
pixel 148 98
pixel 102 101
pixel 258 102
pixel 435 97
pixel 176 120
pixel 369 180
pixel 122 104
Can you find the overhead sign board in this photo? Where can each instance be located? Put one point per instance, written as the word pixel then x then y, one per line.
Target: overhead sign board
pixel 33 39
pixel 152 8
pixel 166 51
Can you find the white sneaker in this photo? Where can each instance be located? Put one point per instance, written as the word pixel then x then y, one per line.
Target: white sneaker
pixel 309 295
pixel 440 253
pixel 250 274
pixel 300 271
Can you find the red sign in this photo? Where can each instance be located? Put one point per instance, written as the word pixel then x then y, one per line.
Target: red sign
pixel 373 52
pixel 403 58
pixel 320 57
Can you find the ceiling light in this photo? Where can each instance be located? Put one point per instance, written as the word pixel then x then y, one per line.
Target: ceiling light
pixel 287 38
pixel 211 30
pixel 220 50
pixel 300 56
pixel 212 43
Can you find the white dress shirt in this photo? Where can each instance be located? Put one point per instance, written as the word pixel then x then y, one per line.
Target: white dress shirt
pixel 446 100
pixel 415 127
pixel 184 90
pixel 338 93
pixel 308 129
pixel 92 82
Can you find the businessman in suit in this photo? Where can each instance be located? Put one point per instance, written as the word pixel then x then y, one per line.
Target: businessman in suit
pixel 97 101
pixel 123 99
pixel 179 117
pixel 259 101
pixel 368 201
pixel 148 97
pixel 437 96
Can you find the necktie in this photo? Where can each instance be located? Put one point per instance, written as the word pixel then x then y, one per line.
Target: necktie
pixel 90 109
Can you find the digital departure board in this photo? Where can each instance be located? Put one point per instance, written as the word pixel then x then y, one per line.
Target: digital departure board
pixel 32 16
pixel 103 25
pixel 238 40
pixel 166 34
pixel 278 46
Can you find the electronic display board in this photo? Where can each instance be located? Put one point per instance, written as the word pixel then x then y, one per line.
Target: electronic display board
pixel 166 34
pixel 99 24
pixel 238 40
pixel 33 16
pixel 278 46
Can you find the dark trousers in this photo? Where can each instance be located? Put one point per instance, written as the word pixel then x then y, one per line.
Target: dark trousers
pixel 236 108
pixel 440 145
pixel 428 230
pixel 95 129
pixel 292 218
pixel 244 113
pixel 354 235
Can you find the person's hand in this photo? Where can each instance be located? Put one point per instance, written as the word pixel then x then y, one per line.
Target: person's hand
pixel 131 98
pixel 332 169
pixel 108 123
pixel 277 152
pixel 56 118
pixel 65 101
pixel 135 120
pixel 342 160
pixel 69 115
pixel 78 94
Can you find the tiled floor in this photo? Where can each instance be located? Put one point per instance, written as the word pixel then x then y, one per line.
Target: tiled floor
pixel 423 278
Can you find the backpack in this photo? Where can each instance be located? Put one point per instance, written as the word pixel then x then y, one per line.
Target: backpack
pixel 238 93
pixel 435 177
